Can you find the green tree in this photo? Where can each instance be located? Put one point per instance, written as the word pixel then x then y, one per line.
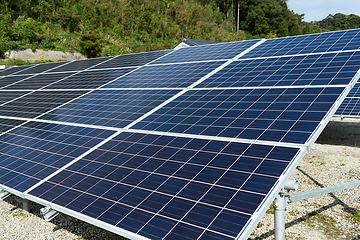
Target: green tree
pixel 261 25
pixel 283 29
pixel 90 46
pixel 308 29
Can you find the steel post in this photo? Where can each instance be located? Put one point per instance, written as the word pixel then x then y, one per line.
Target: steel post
pixel 280 204
pixel 26 205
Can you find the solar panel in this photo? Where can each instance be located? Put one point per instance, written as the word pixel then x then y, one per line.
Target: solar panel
pixel 307 44
pixel 196 144
pixel 89 79
pixel 208 52
pixel 136 181
pixel 131 60
pixel 319 69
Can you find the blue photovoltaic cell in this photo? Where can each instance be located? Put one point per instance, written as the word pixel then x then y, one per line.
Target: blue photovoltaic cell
pixel 170 76
pixel 38 81
pixel 349 107
pixel 39 68
pixel 13 70
pixel 281 114
pixel 7 124
pixel 322 69
pixel 305 44
pixel 170 187
pixel 80 65
pixel 37 103
pixel 6 96
pixel 5 81
pixel 113 108
pixel 89 79
pixel 35 150
pixel 131 60
pixel 208 52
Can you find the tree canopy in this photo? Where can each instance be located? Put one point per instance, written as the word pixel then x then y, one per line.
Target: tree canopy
pixel 112 27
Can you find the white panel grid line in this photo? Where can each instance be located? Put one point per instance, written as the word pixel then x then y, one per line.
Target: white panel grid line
pixel 249 49
pixel 195 88
pixel 170 134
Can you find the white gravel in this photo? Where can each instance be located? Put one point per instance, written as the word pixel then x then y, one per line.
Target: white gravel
pixel 334 159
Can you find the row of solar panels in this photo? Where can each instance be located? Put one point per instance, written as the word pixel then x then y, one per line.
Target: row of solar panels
pixel 193 143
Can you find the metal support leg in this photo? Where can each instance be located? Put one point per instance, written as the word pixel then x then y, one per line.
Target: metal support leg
pixel 26 205
pixel 280 204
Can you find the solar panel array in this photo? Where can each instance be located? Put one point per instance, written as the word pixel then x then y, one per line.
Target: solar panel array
pixel 186 144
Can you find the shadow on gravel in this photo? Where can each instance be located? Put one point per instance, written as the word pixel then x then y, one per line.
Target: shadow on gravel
pixel 336 201
pixel 344 133
pixel 63 222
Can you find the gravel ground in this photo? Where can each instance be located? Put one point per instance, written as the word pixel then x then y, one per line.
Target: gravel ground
pixel 334 159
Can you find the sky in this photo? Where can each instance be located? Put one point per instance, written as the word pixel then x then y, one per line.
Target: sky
pixel 316 10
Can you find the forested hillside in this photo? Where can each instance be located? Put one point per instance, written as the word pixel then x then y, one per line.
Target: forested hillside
pixel 112 27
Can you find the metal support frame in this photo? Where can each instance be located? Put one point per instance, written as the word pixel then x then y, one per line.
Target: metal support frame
pixel 48 213
pixel 26 205
pixel 4 194
pixel 282 200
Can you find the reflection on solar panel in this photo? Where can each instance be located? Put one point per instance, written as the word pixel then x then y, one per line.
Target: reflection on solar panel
pixel 37 103
pixel 37 81
pixel 80 65
pixel 207 52
pixel 13 70
pixel 7 96
pixel 42 68
pixel 170 76
pixel 34 151
pixel 131 60
pixel 193 145
pixel 113 108
pixel 7 124
pixel 89 79
pixel 11 80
